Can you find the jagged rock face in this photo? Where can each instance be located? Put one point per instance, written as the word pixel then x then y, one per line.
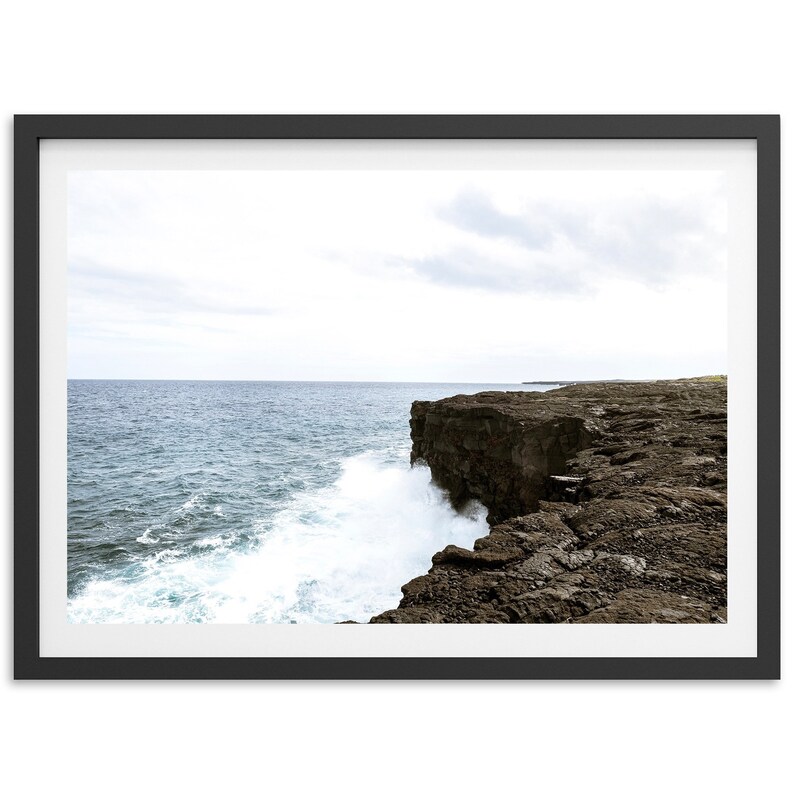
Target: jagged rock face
pixel 641 538
pixel 486 448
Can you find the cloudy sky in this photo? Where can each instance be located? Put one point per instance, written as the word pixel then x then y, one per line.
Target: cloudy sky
pixel 464 276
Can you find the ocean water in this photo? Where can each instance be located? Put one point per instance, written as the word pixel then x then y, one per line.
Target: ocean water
pixel 250 502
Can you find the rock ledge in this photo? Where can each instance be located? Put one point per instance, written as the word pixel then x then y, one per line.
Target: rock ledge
pixel 607 503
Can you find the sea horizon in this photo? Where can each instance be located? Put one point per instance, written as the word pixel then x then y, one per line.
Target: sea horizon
pixel 327 380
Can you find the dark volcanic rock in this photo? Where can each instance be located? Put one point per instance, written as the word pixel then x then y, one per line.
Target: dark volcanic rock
pixel 499 448
pixel 607 500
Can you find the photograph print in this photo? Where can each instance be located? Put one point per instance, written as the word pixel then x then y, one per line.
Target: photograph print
pixel 397 396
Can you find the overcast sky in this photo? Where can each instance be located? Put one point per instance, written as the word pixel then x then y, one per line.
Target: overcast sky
pixel 464 276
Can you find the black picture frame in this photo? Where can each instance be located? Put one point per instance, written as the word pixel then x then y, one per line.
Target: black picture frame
pixel 29 130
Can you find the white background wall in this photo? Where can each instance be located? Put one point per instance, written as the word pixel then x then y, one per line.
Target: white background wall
pixel 407 57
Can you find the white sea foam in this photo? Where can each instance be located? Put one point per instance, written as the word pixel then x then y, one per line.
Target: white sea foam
pixel 343 553
pixel 188 505
pixel 339 553
pixel 147 538
pixel 213 542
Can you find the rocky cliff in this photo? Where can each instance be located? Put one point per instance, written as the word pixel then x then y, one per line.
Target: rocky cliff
pixel 607 504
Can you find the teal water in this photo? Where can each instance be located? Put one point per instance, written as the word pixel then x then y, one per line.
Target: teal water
pixel 239 502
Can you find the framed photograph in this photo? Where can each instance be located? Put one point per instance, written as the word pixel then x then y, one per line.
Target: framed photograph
pixel 397 397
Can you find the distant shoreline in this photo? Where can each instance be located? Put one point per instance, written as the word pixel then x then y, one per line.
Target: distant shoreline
pixel 574 382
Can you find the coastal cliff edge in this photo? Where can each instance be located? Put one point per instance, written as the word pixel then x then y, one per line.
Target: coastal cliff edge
pixel 607 504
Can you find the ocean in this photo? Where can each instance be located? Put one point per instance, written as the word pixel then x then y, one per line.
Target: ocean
pixel 250 502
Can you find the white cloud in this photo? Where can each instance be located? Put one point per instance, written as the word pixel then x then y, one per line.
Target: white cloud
pixel 396 275
pixel 571 246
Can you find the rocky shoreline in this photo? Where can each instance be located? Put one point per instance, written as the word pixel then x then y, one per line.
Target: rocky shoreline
pixel 607 504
